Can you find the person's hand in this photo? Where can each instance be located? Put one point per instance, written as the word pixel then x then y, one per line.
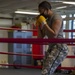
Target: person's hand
pixel 41 21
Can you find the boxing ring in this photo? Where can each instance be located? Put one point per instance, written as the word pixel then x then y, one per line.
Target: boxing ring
pixel 31 69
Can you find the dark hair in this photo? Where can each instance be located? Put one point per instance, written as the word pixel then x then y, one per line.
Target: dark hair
pixel 45 5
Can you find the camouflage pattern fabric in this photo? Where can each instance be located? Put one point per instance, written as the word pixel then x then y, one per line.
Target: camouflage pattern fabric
pixel 55 54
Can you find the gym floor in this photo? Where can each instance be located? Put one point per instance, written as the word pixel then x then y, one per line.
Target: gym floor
pixel 25 71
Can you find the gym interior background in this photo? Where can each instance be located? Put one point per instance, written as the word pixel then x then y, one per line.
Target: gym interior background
pixel 21 14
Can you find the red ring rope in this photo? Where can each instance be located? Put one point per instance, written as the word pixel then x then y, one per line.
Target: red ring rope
pixel 71 44
pixel 38 67
pixel 11 53
pixel 21 54
pixel 69 30
pixel 2 28
pixel 35 40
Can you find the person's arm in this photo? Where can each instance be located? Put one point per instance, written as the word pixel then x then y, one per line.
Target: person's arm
pixel 40 24
pixel 41 33
pixel 54 29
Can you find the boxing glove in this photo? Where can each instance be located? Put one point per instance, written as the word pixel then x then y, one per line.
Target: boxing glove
pixel 41 20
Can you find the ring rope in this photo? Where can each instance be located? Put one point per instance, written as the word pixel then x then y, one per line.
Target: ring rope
pixel 37 67
pixel 69 30
pixel 21 54
pixel 71 44
pixel 4 28
pixel 35 40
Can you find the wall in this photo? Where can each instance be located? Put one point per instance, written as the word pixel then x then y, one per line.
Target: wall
pixel 5 21
pixel 3 47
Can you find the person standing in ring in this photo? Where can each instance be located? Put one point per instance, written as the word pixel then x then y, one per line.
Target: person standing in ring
pixel 49 24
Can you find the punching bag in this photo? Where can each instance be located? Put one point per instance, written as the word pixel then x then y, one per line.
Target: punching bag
pixel 36 48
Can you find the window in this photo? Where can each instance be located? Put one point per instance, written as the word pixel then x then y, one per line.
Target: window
pixel 64 27
pixel 64 24
pixel 63 16
pixel 70 28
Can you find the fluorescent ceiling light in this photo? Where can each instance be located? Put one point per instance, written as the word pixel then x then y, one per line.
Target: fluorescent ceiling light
pixel 61 7
pixel 73 3
pixel 56 1
pixel 25 12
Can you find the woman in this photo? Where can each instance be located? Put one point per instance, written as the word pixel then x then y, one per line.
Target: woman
pixel 50 24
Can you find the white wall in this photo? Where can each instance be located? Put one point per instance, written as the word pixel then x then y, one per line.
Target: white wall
pixel 4 34
pixel 5 22
pixel 3 47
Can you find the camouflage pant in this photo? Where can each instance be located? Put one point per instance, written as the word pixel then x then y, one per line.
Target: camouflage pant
pixel 53 58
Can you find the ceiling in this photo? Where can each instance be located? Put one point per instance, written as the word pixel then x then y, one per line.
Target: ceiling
pixel 10 6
